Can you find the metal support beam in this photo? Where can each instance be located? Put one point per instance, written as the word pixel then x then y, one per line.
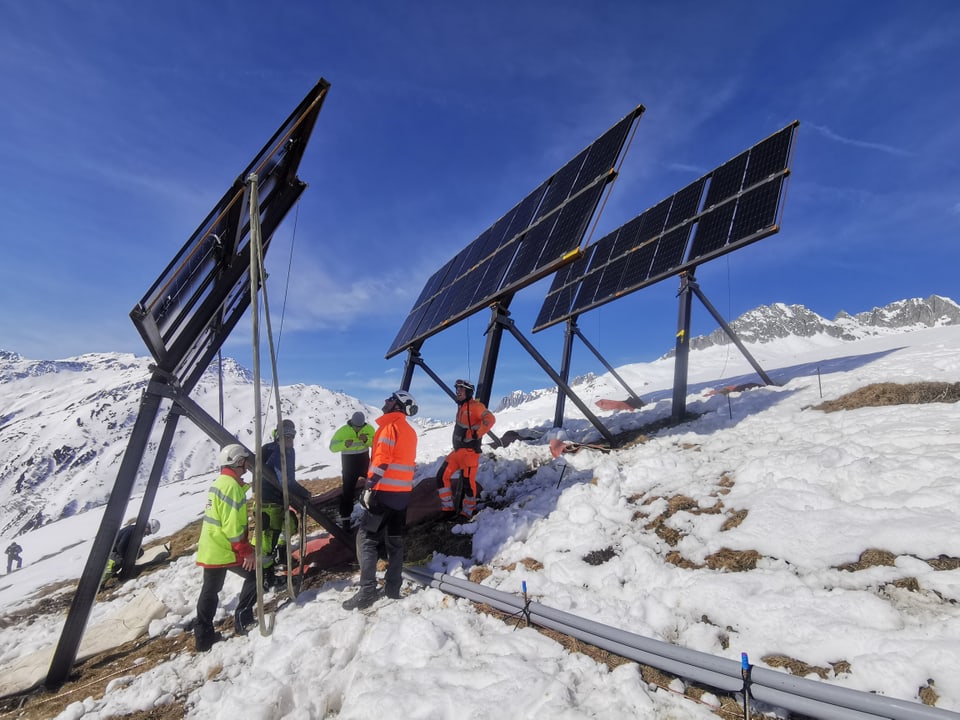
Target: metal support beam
pixel 491 352
pixel 608 366
pixel 681 359
pixel 415 359
pixel 83 599
pixel 688 287
pixel 564 371
pixel 730 334
pixel 149 495
pixel 504 321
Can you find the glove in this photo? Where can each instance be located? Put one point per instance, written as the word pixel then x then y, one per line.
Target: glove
pixel 348 443
pixel 365 498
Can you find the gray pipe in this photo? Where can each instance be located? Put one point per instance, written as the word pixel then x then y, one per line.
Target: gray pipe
pixel 817 699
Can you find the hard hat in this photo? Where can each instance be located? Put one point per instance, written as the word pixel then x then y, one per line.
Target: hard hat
pixel 406 401
pixel 357 419
pixel 231 455
pixel 153 526
pixel 465 384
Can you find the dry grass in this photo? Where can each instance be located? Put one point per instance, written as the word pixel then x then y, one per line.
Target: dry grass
pixel 881 394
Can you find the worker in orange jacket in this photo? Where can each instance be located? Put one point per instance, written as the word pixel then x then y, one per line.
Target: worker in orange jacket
pixel 473 422
pixel 385 499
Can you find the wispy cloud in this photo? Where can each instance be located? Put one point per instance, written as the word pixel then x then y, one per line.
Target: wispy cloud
pixel 831 135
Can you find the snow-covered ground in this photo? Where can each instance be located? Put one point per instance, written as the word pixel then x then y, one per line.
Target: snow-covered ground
pixel 814 489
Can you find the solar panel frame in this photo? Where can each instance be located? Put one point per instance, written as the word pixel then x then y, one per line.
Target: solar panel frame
pixel 206 285
pixel 537 236
pixel 735 204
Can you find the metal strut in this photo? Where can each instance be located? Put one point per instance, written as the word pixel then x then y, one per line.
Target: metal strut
pixel 688 287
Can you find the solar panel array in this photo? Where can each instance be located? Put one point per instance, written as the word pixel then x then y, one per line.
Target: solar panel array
pixel 533 239
pixel 188 311
pixel 731 206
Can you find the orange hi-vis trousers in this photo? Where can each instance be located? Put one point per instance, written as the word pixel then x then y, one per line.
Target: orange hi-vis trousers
pixel 466 461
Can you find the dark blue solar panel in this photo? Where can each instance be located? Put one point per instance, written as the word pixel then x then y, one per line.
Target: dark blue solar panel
pixel 638 265
pixel 521 215
pixel 409 328
pixel 727 180
pixel 756 210
pixel 601 249
pixel 564 287
pixel 653 221
pixel 528 251
pixel 713 229
pixel 686 203
pixel 588 289
pixel 627 236
pixel 670 249
pixel 550 241
pixel 769 157
pixel 561 184
pixel 604 153
pixel 611 278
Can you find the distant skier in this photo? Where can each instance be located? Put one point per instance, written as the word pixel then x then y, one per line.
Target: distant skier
pixel 13 554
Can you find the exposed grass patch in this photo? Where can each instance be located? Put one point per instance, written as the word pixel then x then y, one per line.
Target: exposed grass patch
pixel 882 394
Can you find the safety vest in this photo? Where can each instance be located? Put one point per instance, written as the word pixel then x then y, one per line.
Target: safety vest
pixel 473 421
pixel 394 454
pixel 223 535
pixel 361 439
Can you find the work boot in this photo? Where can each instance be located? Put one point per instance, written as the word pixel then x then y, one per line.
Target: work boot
pixel 362 600
pixel 243 620
pixel 204 640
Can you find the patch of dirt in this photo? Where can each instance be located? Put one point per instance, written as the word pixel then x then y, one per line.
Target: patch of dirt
pixel 733 560
pixel 528 563
pixel 734 518
pixel 599 557
pixel 943 562
pixel 881 394
pixel 797 667
pixel 871 557
pixel 928 696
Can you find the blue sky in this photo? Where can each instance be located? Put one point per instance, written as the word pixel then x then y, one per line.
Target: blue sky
pixel 124 124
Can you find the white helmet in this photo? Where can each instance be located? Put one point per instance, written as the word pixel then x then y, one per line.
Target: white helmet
pixel 406 401
pixel 231 455
pixel 153 526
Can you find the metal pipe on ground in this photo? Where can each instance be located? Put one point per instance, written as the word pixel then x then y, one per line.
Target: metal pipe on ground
pixel 814 698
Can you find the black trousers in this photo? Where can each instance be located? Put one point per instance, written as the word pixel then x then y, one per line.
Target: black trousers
pixel 352 467
pixel 383 528
pixel 209 598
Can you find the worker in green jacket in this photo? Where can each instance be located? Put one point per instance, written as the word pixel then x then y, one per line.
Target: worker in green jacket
pixel 224 545
pixel 353 442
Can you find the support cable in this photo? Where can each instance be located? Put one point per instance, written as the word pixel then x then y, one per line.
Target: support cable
pixel 256 280
pixel 280 441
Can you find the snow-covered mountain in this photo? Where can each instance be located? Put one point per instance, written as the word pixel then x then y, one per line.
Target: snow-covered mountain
pixel 65 424
pixel 772 322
